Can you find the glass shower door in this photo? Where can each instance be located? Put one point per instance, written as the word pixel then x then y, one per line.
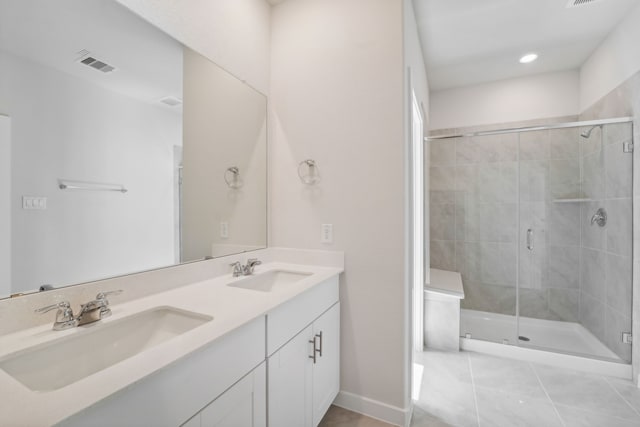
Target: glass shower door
pixel 549 234
pixel 574 275
pixel 486 234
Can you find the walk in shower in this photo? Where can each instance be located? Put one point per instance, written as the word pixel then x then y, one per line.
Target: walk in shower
pixel 539 222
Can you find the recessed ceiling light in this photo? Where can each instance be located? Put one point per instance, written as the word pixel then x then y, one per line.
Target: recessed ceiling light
pixel 529 57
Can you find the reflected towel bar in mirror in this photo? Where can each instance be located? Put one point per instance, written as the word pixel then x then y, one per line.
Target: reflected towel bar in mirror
pixel 90 186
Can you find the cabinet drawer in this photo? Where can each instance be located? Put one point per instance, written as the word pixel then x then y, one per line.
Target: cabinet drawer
pixel 288 319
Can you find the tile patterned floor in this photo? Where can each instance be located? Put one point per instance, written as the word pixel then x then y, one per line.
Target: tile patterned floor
pixel 338 417
pixel 474 390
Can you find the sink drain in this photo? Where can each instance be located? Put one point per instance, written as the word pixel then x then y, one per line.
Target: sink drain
pixel 523 338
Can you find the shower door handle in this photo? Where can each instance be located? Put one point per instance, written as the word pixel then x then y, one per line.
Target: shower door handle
pixel 530 239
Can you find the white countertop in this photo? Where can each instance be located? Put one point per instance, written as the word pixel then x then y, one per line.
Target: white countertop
pixel 445 282
pixel 230 307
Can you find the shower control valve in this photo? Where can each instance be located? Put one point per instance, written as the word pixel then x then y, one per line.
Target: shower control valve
pixel 600 217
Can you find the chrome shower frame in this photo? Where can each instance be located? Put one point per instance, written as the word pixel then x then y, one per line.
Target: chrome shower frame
pixel 628 147
pixel 534 128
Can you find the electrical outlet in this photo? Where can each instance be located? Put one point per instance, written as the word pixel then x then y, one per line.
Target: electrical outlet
pixel 327 233
pixel 224 230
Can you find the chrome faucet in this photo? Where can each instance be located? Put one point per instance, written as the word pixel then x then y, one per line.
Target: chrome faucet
pixel 96 309
pixel 64 316
pixel 237 269
pixel 90 312
pixel 245 270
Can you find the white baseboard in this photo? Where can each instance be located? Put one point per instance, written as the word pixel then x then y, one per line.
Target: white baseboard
pixel 374 409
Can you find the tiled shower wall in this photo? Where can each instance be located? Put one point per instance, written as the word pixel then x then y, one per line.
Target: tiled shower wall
pixel 474 219
pixel 575 272
pixel 620 102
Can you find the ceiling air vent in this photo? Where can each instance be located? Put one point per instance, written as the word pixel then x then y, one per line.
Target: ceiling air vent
pixel 576 3
pixel 92 62
pixel 171 101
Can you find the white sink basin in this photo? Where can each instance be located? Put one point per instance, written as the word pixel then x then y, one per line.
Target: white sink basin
pixel 270 280
pixel 90 349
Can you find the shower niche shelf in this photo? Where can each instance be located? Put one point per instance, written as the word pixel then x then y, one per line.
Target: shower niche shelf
pixel 572 200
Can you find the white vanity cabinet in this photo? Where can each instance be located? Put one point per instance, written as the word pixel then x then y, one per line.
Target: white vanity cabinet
pixel 326 370
pixel 281 369
pixel 243 405
pixel 304 372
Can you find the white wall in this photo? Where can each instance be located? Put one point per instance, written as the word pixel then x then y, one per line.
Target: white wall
pixel 5 205
pixel 525 98
pixel 233 33
pixel 413 58
pixel 337 97
pixel 613 62
pixel 64 127
pixel 414 62
pixel 225 125
pixel 414 69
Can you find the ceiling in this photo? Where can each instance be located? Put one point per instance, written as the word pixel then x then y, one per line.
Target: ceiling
pixel 148 62
pixel 467 42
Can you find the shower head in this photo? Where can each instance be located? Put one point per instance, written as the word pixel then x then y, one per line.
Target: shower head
pixel 587 132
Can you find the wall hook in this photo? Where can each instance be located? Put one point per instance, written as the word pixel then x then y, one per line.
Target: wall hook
pixel 232 177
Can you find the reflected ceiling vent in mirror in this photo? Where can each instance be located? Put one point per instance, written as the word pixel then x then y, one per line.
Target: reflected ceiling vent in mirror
pixel 576 3
pixel 171 101
pixel 87 59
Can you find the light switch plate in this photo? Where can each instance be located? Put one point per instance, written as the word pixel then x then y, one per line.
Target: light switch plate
pixel 224 230
pixel 32 202
pixel 327 233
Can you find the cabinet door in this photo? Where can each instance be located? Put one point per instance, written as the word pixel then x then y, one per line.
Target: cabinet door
pixel 290 376
pixel 326 372
pixel 243 405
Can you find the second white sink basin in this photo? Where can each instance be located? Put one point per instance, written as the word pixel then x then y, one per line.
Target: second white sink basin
pixel 270 280
pixel 53 365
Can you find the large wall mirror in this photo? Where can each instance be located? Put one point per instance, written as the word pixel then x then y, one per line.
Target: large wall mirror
pixel 121 150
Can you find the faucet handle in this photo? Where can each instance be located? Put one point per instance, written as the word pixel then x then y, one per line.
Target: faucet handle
pixel 61 305
pixel 237 268
pixel 64 316
pixel 105 311
pixel 251 263
pixel 103 295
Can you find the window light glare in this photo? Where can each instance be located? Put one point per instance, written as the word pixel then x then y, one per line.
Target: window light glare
pixel 529 57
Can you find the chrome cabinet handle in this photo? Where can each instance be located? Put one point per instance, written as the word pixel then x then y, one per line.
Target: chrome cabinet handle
pixel 319 350
pixel 313 353
pixel 530 239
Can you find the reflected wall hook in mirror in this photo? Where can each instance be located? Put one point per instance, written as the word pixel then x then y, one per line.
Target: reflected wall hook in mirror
pixel 308 172
pixel 232 177
pixel 157 126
